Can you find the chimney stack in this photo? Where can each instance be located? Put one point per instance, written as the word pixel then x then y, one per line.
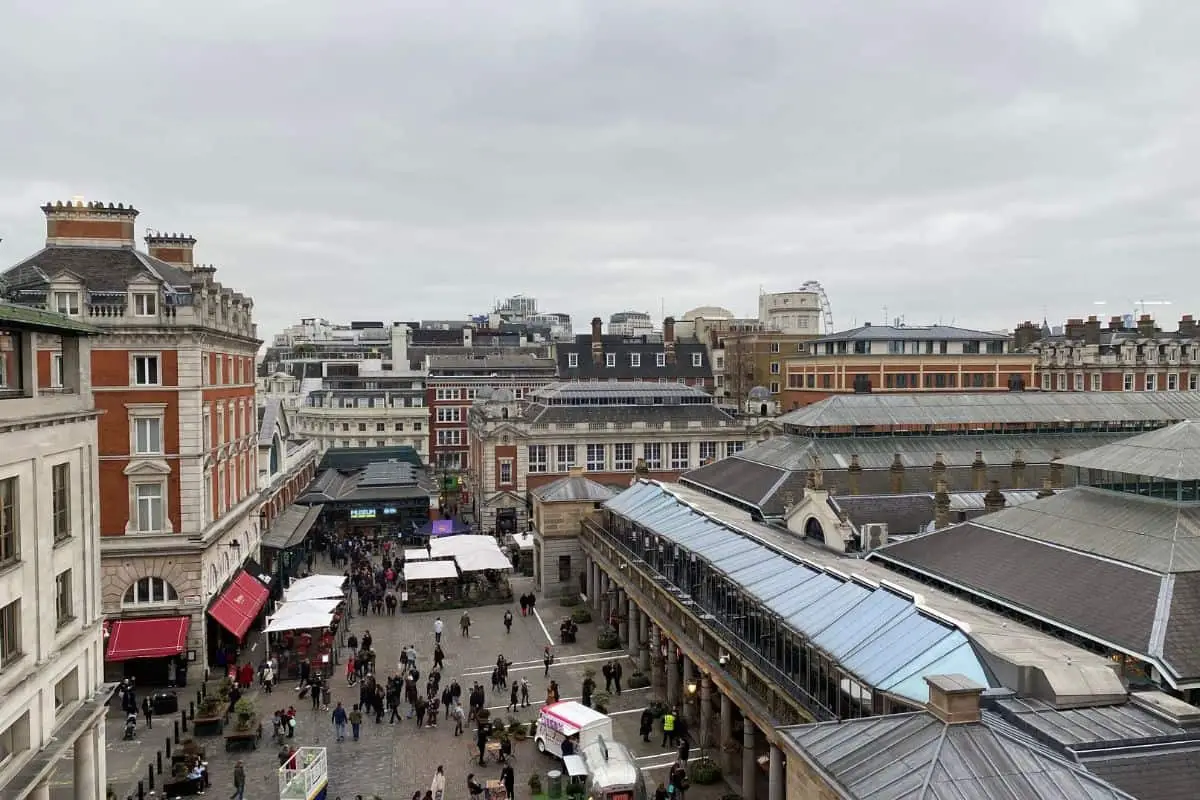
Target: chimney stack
pixel 1018 469
pixel 854 474
pixel 978 472
pixel 399 336
pixel 79 224
pixel 1146 327
pixel 1025 334
pixel 1116 324
pixel 1187 326
pixel 994 499
pixel 1091 330
pixel 669 338
pixel 1046 490
pixel 941 506
pixel 597 342
pixel 954 699
pixel 173 248
pixel 1074 329
pixel 896 474
pixel 1056 469
pixel 938 467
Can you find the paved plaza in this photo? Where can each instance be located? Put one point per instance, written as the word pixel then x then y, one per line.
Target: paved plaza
pixel 394 761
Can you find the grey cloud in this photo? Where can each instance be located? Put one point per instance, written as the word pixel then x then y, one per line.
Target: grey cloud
pixel 946 160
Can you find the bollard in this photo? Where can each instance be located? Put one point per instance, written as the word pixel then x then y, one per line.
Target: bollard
pixel 192 711
pixel 141 791
pixel 158 762
pixel 203 689
pixel 150 775
pixel 176 731
pixel 183 716
pixel 168 747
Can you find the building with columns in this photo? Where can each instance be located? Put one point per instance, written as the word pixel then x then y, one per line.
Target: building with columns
pixel 173 372
pixel 610 429
pixel 51 636
pixel 558 509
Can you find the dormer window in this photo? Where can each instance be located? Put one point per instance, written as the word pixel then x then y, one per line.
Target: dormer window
pixel 610 360
pixel 67 303
pixel 660 359
pixel 697 359
pixel 572 360
pixel 635 359
pixel 145 304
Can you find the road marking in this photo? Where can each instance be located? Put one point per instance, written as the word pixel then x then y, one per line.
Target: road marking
pixel 539 661
pixel 475 673
pixel 663 755
pixel 539 704
pixel 538 616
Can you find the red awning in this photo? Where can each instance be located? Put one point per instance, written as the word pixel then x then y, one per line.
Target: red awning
pixel 155 637
pixel 240 603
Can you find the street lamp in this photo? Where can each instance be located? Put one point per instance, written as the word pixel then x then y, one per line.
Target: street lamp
pixel 692 687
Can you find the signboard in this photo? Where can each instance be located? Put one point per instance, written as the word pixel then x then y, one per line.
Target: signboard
pixel 390 511
pixel 362 513
pixel 443 527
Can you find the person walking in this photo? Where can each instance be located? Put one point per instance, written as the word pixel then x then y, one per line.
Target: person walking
pixel 616 676
pixel 524 693
pixel 508 619
pixel 268 677
pixel 439 657
pixel 668 728
pixel 438 785
pixel 437 631
pixel 512 697
pixel 464 623
pixel 547 659
pixel 458 715
pixel 239 782
pixel 339 722
pixel 355 722
pixel 148 711
pixel 646 724
pixel 607 671
pixel 508 779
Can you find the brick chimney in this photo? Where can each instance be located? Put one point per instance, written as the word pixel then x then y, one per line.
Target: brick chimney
pixel 1018 469
pixel 854 474
pixel 1187 326
pixel 669 338
pixel 1046 491
pixel 1056 469
pixel 1091 330
pixel 173 248
pixel 941 506
pixel 994 499
pixel 938 467
pixel 1145 326
pixel 1026 334
pixel 954 699
pixel 896 474
pixel 1116 324
pixel 1074 329
pixel 79 224
pixel 597 342
pixel 978 472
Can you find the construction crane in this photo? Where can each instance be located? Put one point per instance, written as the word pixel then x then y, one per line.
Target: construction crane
pixel 826 311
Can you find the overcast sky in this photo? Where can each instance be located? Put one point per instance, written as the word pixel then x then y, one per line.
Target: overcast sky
pixel 973 162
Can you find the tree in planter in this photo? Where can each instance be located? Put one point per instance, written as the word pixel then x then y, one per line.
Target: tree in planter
pixel 639 680
pixel 600 701
pixel 607 638
pixel 581 615
pixel 535 783
pixel 704 771
pixel 569 600
pixel 245 711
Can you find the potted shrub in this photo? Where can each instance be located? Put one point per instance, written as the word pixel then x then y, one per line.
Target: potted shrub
pixel 607 638
pixel 209 720
pixel 245 711
pixel 581 615
pixel 600 701
pixel 568 600
pixel 704 771
pixel 535 784
pixel 639 680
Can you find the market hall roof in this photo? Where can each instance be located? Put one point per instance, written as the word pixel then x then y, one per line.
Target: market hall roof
pixel 624 402
pixel 1106 409
pixel 922 333
pixel 1171 454
pixel 377 481
pixel 573 489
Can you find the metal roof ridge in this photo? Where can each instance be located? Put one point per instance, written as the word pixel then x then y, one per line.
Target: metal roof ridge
pixel 923 792
pixel 1107 559
pixel 1162 616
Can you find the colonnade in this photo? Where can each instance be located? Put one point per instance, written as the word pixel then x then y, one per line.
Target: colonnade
pixel 88 753
pixel 685 684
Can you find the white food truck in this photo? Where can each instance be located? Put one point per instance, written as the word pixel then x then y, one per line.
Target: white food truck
pixel 559 721
pixel 612 772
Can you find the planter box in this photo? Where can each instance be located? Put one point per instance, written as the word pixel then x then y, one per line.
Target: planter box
pixel 208 726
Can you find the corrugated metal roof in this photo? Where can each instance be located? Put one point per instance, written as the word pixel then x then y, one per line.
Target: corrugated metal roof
pixel 588 392
pixel 573 488
pixel 919 757
pixel 1100 726
pixel 1171 454
pixel 881 636
pixel 35 319
pixel 964 408
pixel 920 333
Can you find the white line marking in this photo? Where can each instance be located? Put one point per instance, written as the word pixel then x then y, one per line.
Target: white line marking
pixel 538 705
pixel 539 661
pixel 541 666
pixel 664 755
pixel 538 616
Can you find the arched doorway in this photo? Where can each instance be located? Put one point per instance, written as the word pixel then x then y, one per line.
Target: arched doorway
pixel 813 530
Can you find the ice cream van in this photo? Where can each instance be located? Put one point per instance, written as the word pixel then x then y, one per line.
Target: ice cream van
pixel 559 721
pixel 612 772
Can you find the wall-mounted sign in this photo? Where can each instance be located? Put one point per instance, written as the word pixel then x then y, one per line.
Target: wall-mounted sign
pixel 390 511
pixel 362 513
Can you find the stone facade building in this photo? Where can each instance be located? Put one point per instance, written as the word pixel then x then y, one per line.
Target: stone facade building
pixel 173 372
pixel 51 640
pixel 559 507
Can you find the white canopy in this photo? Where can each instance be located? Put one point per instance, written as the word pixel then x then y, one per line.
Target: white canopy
pixel 524 541
pixel 316 587
pixel 306 607
pixel 416 555
pixel 300 621
pixel 472 553
pixel 429 570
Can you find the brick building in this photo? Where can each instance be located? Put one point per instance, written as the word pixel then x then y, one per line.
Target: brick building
pixel 611 430
pixel 173 372
pixel 1089 356
pixel 758 359
pixel 906 360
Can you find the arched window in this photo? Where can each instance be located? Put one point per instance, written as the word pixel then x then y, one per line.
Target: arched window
pixel 149 591
pixel 214 578
pixel 276 447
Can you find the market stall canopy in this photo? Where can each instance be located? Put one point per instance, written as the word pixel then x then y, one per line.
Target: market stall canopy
pixel 302 620
pixel 238 605
pixel 444 527
pixel 430 571
pixel 316 587
pixel 471 553
pixel 415 555
pixel 305 607
pixel 523 541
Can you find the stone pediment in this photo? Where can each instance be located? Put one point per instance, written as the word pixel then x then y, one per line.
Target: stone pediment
pixel 147 467
pixel 65 276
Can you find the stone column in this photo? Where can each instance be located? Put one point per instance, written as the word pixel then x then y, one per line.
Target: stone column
pixel 705 711
pixel 644 642
pixel 672 676
pixel 622 618
pixel 749 768
pixel 776 781
pixel 652 646
pixel 632 614
pixel 41 791
pixel 726 733
pixel 591 581
pixel 85 766
pixel 605 603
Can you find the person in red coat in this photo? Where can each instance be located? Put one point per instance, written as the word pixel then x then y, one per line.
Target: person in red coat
pixel 246 675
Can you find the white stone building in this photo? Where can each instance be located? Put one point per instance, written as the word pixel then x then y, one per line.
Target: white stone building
pixel 51 640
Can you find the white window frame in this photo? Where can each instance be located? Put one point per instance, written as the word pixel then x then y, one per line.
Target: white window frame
pixel 56 370
pixel 610 360
pixel 505 474
pixel 660 359
pixel 144 411
pixel 1150 382
pixel 449 414
pixel 1061 381
pixel 596 457
pixel 206 418
pixel 635 360
pixel 1045 381
pixel 1096 382
pixel 735 446
pixel 708 451
pixel 155 586
pixel 572 360
pixel 145 304
pixel 681 455
pixel 565 457
pixel 206 515
pixel 138 500
pixel 537 458
pixel 147 435
pixel 774 368
pixel 1079 381
pixel 774 387
pixel 652 454
pixel 1172 381
pixel 446 394
pixel 72 303
pixel 1127 384
pixel 451 437
pixel 135 358
pixel 697 359
pixel 205 370
pixel 1193 381
pixel 623 460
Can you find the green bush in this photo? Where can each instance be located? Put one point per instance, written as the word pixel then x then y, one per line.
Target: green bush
pixel 639 680
pixel 607 638
pixel 704 771
pixel 569 600
pixel 535 783
pixel 581 615
pixel 600 701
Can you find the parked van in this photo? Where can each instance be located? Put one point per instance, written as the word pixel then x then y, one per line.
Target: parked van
pixel 612 771
pixel 561 720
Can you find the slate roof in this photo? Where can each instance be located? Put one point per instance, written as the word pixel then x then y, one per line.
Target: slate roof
pixel 914 513
pixel 622 370
pixel 292 526
pixel 538 414
pixel 1159 775
pixel 268 414
pixel 1171 453
pixel 573 489
pixel 377 481
pixel 922 333
pixel 20 317
pixel 917 756
pixel 352 458
pixel 965 408
pixel 101 269
pixel 467 363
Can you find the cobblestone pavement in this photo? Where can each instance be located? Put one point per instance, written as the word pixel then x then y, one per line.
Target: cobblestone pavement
pixel 394 761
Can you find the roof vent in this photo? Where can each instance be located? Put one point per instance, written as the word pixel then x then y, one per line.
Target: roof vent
pixel 954 699
pixel 1164 706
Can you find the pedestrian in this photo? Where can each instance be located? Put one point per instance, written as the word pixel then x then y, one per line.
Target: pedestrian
pixel 315 688
pixel 367 640
pixel 512 697
pixel 438 785
pixel 668 728
pixel 458 719
pixel 352 643
pixel 473 787
pixel 646 724
pixel 239 782
pixel 508 621
pixel 616 673
pixel 509 780
pixel 524 605
pixel 268 677
pixel 327 695
pixel 439 657
pixel 355 722
pixel 552 693
pixel 547 659
pixel 607 671
pixel 339 722
pixel 588 687
pixel 422 707
pixel 464 623
pixel 437 631
pixel 148 711
pixel 524 693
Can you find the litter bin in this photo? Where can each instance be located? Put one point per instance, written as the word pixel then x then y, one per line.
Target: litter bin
pixel 164 703
pixel 554 783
